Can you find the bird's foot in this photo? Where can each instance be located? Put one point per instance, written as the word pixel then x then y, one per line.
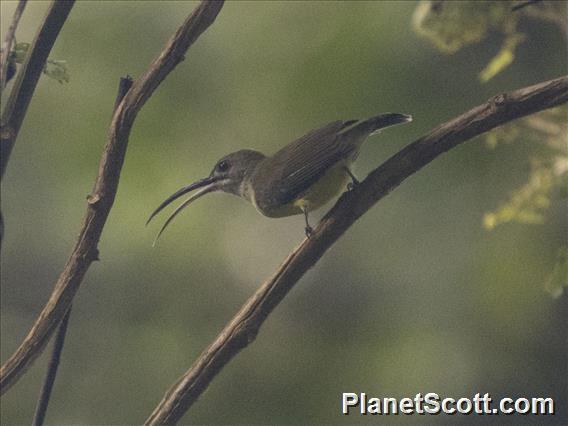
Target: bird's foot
pixel 354 181
pixel 351 185
pixel 309 231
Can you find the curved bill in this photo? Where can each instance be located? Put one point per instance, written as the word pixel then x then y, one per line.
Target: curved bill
pixel 209 184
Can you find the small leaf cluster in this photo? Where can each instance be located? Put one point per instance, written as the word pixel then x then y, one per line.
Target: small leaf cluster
pixel 452 25
pixel 55 69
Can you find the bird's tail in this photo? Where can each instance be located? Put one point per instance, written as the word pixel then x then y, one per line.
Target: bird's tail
pixel 376 124
pixel 386 120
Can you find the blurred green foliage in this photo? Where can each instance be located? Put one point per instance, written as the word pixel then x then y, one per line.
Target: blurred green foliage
pixel 450 26
pixel 548 180
pixel 453 25
pixel 549 171
pixel 416 297
pixel 527 203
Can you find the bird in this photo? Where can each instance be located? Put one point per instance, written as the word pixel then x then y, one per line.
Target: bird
pixel 299 178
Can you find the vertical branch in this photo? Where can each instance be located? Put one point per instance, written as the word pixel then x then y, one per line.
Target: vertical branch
pixel 27 79
pixel 7 46
pixel 43 400
pixel 102 197
pixel 5 67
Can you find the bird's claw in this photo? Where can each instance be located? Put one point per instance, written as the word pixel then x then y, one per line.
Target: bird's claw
pixel 309 231
pixel 351 185
pixel 354 181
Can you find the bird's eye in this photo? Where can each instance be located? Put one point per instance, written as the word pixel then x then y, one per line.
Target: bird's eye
pixel 223 166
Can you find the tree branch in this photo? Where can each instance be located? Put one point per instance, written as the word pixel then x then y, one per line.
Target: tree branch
pixel 27 79
pixel 101 199
pixel 7 46
pixel 244 326
pixel 52 366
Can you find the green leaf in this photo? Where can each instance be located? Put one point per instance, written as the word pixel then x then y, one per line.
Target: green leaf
pixel 55 69
pixel 19 52
pixel 503 59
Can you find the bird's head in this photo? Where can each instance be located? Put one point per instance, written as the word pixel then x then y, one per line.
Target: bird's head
pixel 228 175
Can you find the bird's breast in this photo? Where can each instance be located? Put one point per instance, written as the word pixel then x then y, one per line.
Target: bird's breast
pixel 329 186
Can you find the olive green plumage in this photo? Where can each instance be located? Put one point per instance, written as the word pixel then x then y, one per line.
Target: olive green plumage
pixel 299 178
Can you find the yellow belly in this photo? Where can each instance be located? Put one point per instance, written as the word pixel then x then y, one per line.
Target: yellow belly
pixel 332 184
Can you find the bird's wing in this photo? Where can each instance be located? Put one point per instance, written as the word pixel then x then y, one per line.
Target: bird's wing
pixel 304 161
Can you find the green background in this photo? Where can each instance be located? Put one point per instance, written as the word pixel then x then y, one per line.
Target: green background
pixel 416 297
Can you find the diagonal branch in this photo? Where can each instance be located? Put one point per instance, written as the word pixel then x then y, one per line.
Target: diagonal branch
pixel 27 79
pixel 7 46
pixel 244 326
pixel 101 199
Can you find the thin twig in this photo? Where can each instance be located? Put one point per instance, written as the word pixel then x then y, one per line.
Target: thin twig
pixel 244 326
pixel 101 199
pixel 43 400
pixel 7 46
pixel 27 79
